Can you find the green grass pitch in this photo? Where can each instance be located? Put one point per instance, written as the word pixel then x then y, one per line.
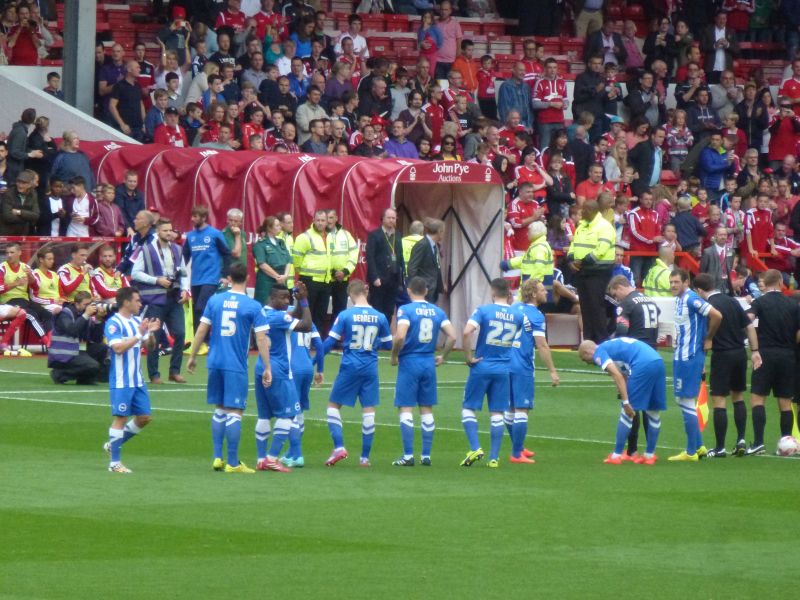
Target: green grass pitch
pixel 567 527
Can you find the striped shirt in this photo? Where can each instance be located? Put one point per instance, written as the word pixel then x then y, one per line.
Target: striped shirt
pixel 125 369
pixel 691 313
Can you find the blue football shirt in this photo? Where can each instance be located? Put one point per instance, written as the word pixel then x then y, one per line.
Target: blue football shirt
pixel 498 325
pixel 205 248
pixel 524 344
pixel 301 353
pixel 125 369
pixel 231 316
pixel 280 324
pixel 361 329
pixel 629 352
pixel 691 313
pixel 424 322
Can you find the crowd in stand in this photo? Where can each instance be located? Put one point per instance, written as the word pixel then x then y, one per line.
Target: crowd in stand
pixel 263 76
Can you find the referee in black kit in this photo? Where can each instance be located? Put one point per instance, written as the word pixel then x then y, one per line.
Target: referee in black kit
pixel 728 364
pixel 637 318
pixel 777 329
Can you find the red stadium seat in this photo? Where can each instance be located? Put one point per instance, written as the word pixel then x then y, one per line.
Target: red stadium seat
pixel 404 44
pixel 572 46
pixel 373 22
pixel 379 44
pixel 495 28
pixel 397 23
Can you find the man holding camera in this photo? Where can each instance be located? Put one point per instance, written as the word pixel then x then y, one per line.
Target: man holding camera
pixel 65 358
pixel 159 273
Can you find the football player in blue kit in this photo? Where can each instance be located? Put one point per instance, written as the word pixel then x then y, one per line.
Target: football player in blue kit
pixel 279 400
pixel 414 350
pixel 696 322
pixel 644 390
pixel 533 294
pixel 303 366
pixel 497 325
pixel 361 330
pixel 229 317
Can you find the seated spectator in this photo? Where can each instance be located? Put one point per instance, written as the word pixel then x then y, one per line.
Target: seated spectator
pixel 590 188
pixel 425 149
pixel 315 143
pixel 19 208
pixel 398 146
pixel 377 102
pixel 449 149
pixel 690 232
pixel 224 139
pixel 288 139
pixel 787 250
pixel 369 147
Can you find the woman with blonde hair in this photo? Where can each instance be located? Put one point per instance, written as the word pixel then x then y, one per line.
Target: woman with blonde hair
pixel 615 164
pixel 70 162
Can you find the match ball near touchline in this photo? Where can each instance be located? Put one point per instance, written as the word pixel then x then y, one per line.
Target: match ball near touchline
pixel 788 446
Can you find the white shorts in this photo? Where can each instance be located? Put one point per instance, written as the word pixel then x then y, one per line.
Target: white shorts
pixel 5 310
pixel 53 309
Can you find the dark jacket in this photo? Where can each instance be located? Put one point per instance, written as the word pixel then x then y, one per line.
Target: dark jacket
pixel 558 194
pixel 594 45
pixel 41 166
pixel 709 263
pixel 379 258
pixel 582 155
pixel 69 323
pixel 666 53
pixel 24 223
pixel 638 103
pixel 423 263
pixel 586 97
pixel 642 159
pixel 370 105
pixel 689 230
pixel 128 205
pixel 707 42
pixel 754 124
pixel 17 144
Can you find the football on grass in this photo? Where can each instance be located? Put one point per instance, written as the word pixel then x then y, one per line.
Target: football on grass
pixel 787 446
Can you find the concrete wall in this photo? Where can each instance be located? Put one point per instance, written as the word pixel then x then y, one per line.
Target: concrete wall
pixel 21 88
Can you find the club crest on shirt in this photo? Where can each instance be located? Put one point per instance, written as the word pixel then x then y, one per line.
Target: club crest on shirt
pixel 112 329
pixel 288 318
pixel 697 304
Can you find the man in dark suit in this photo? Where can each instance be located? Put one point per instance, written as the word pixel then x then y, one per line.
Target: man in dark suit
pixel 717 261
pixel 647 159
pixel 426 260
pixel 719 47
pixel 385 264
pixel 605 43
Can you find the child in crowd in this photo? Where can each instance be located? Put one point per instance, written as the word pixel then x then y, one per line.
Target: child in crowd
pixel 670 238
pixel 700 210
pixel 486 91
pixel 679 140
pixel 733 220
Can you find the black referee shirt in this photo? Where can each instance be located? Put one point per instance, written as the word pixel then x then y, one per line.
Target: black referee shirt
pixel 731 333
pixel 778 321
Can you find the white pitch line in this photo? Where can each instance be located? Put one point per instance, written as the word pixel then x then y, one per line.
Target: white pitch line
pixel 557 438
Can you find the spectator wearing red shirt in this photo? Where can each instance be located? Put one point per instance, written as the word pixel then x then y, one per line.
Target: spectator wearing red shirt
pixel 700 210
pixel 786 249
pixel 590 188
pixel 453 90
pixel 269 23
pixel 232 17
pixel 435 114
pixel 784 132
pixel 523 211
pixel 170 133
pixel 713 223
pixel 496 148
pixel 550 100
pixel 24 39
pixel 645 234
pixel 758 228
pixel 511 128
pixel 533 62
pixel 532 172
pixel 487 99
pixel 790 89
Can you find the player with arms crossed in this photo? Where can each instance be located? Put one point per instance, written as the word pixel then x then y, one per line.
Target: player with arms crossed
pixel 637 318
pixel 361 329
pixel 533 294
pixel 279 400
pixel 414 349
pixel 230 317
pixel 696 322
pixel 497 325
pixel 644 390
pixel 303 374
pixel 125 332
